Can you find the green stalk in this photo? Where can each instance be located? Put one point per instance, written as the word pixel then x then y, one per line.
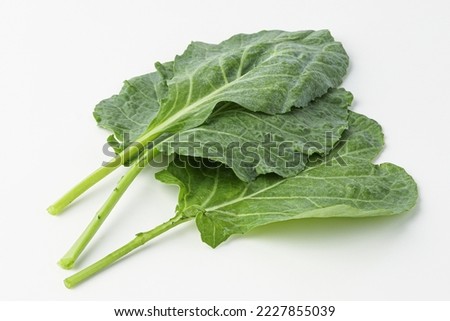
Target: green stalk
pixel 139 144
pixel 83 186
pixel 102 172
pixel 111 258
pixel 68 260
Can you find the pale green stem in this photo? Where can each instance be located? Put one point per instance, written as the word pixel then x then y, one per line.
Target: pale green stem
pixel 102 172
pixel 68 260
pixel 138 241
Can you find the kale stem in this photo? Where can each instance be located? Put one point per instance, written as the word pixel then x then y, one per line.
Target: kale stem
pixel 139 240
pixel 83 186
pixel 68 260
pixel 102 172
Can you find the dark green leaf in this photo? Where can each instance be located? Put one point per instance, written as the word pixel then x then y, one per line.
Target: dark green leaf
pixel 256 143
pixel 224 205
pixel 269 71
pixel 129 113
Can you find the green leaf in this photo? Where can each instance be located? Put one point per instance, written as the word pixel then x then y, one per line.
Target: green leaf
pixel 224 205
pixel 360 190
pixel 361 142
pixel 129 113
pixel 254 143
pixel 269 71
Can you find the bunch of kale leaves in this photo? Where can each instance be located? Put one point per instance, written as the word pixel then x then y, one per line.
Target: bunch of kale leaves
pixel 254 131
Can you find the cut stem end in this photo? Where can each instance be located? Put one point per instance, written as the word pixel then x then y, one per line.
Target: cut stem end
pixel 53 210
pixel 66 263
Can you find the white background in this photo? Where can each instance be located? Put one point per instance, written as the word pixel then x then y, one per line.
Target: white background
pixel 59 58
